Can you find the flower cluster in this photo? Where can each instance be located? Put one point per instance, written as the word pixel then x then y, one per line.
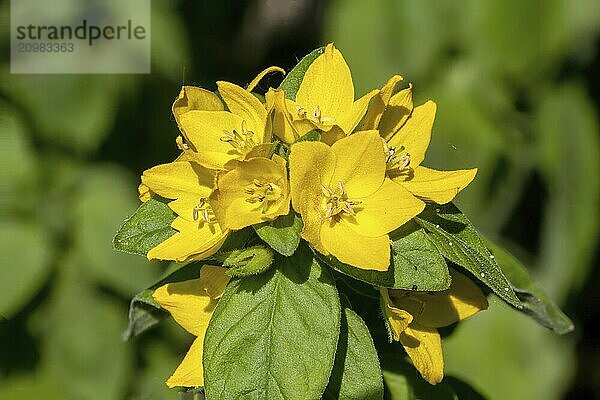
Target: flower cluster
pixel 359 182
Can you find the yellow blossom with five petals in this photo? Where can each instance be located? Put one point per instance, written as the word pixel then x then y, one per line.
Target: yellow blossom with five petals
pixel 325 100
pixel 406 131
pixel 188 185
pixel 347 204
pixel 213 137
pixel 413 318
pixel 254 191
pixel 191 304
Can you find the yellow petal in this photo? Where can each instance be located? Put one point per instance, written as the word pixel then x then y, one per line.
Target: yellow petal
pixel 184 206
pixel 424 347
pixel 356 112
pixel 385 210
pixel 397 112
pixel 213 280
pixel 379 103
pixel 305 184
pixel 145 193
pixel 204 130
pixel 360 163
pixel 416 133
pixel 244 104
pixel 437 186
pixel 327 84
pixel 234 205
pixel 179 178
pixel 195 98
pixel 195 239
pixel 190 372
pixel 462 300
pixel 339 239
pixel 188 304
pixel 282 124
pixel 262 74
pixel 396 318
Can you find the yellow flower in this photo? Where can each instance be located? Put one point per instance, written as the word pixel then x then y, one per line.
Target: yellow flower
pixel 347 204
pixel 325 100
pixel 212 136
pixel 189 185
pixel 406 131
pixel 413 318
pixel 254 191
pixel 191 304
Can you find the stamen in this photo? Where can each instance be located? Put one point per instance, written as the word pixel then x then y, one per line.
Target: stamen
pixel 337 202
pixel 263 191
pixel 243 142
pixel 202 208
pixel 395 160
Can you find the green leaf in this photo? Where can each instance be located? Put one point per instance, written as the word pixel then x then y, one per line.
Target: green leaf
pixel 403 382
pixel 282 234
pixel 249 261
pixel 536 302
pixel 356 373
pixel 274 335
pixel 291 83
pixel 310 136
pixel 416 263
pixel 459 242
pixel 146 228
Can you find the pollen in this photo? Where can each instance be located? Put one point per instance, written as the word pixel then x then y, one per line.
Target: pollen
pixel 203 209
pixel 264 192
pixel 336 202
pixel 242 142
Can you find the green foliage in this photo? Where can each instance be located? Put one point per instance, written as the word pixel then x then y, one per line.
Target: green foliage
pixel 534 300
pixel 356 373
pixel 459 242
pixel 148 227
pixel 282 234
pixel 293 79
pixel 261 321
pixel 416 263
pixel 28 252
pixel 310 136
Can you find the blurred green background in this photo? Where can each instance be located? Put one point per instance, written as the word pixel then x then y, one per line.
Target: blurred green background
pixel 518 90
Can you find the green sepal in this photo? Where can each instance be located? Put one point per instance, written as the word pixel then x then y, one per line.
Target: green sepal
pixel 536 302
pixel 149 226
pixel 416 263
pixel 274 335
pixel 457 239
pixel 282 234
pixel 291 82
pixel 356 373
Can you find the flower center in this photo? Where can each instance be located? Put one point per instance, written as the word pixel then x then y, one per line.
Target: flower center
pixel 397 159
pixel 316 116
pixel 203 209
pixel 337 201
pixel 263 191
pixel 242 142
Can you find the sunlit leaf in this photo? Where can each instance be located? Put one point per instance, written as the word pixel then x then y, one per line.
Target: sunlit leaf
pixel 293 309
